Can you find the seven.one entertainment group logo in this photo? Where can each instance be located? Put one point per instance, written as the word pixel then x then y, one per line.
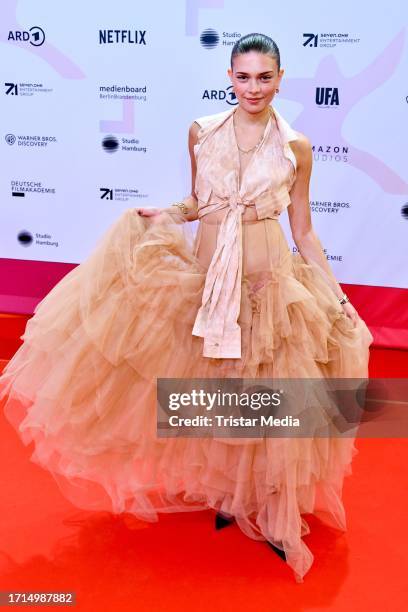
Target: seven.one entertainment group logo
pixel 328 39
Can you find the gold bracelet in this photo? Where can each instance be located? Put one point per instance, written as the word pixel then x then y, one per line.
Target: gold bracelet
pixel 182 207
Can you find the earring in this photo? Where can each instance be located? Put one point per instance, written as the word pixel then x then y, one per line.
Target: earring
pixel 277 90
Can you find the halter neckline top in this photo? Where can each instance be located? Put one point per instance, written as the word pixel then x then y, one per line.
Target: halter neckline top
pixel 265 184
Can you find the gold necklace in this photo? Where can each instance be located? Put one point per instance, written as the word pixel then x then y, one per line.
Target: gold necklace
pixel 255 146
pixel 249 150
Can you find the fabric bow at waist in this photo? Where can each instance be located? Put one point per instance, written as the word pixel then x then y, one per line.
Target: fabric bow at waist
pixel 217 317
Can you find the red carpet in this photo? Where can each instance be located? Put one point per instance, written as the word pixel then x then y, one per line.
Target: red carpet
pixel 181 563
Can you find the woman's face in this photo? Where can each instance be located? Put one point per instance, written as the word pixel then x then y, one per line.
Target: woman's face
pixel 255 78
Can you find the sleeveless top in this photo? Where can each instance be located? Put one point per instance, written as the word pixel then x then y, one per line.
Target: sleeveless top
pixel 265 184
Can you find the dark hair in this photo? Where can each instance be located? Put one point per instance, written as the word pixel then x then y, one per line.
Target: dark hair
pixel 256 42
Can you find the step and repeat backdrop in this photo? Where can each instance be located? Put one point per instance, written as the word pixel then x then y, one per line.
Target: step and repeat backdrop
pixel 97 99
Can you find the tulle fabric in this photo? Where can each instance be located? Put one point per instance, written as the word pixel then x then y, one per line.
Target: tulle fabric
pixel 82 386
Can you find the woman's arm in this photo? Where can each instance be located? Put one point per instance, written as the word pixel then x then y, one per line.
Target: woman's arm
pixel 190 201
pixel 300 220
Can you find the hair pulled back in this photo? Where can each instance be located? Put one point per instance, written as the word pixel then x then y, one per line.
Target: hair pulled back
pixel 256 42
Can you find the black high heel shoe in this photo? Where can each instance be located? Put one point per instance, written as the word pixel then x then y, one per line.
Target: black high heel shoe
pixel 278 551
pixel 223 520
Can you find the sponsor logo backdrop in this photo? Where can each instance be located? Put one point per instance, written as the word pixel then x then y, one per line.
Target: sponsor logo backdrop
pixel 97 99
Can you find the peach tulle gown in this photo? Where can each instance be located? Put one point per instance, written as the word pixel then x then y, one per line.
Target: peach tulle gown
pixel 154 300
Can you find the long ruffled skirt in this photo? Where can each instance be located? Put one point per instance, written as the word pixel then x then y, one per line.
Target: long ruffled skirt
pixel 82 386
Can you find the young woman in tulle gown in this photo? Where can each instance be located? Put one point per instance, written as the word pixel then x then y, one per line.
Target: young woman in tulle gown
pixel 154 300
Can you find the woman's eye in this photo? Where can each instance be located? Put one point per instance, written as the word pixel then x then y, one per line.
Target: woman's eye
pixel 265 78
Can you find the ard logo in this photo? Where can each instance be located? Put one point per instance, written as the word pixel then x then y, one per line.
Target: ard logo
pixel 35 36
pixel 227 95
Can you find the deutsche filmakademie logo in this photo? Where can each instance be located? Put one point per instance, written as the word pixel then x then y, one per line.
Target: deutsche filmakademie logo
pixel 19 188
pixel 35 36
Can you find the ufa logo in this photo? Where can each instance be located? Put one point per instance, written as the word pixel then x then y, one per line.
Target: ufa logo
pixel 35 36
pixel 327 96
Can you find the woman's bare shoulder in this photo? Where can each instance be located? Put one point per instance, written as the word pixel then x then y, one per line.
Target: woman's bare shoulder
pixel 302 143
pixel 193 132
pixel 194 128
pixel 301 147
pixel 205 122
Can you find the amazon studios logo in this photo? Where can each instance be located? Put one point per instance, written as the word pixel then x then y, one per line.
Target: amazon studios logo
pixel 35 36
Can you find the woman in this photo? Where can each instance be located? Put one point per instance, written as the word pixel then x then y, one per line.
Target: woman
pixel 234 302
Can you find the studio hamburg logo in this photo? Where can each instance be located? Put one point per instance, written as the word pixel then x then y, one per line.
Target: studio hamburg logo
pixel 25 238
pixel 35 36
pixel 110 144
pixel 209 38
